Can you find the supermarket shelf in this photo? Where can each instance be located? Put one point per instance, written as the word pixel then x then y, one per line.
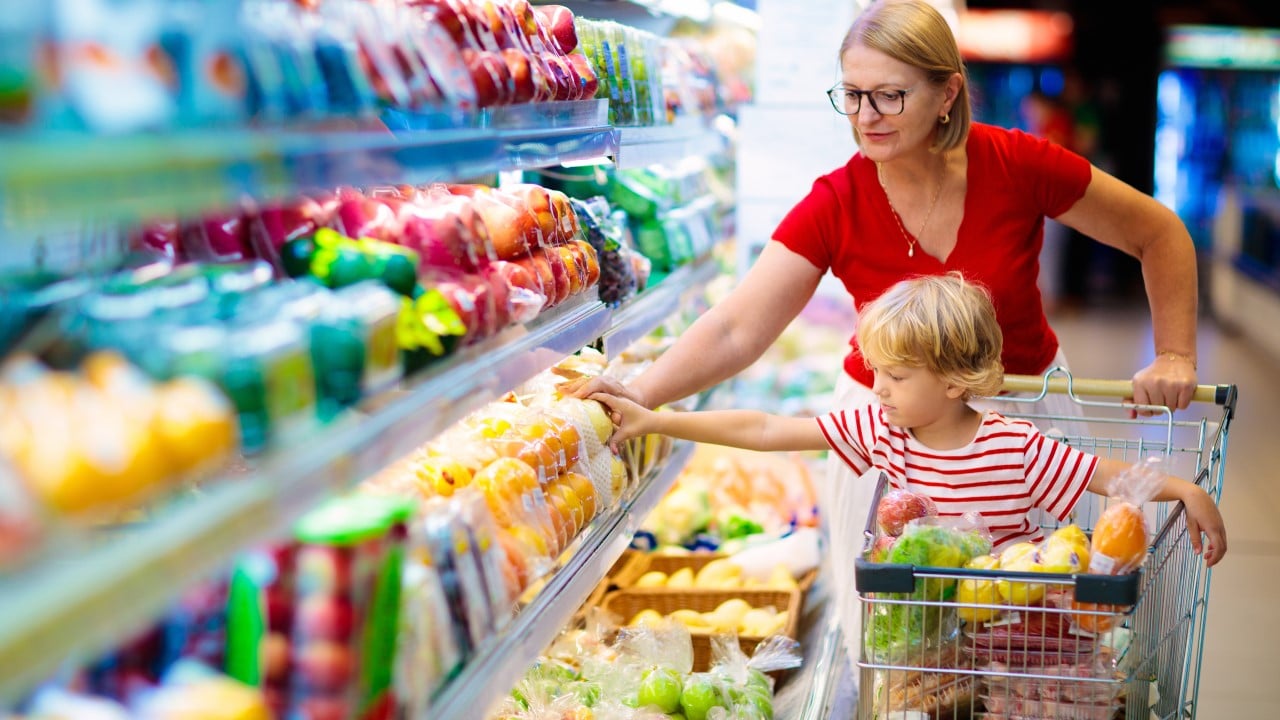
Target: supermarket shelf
pixel 491 675
pixel 76 602
pixel 644 146
pixel 46 180
pixel 639 317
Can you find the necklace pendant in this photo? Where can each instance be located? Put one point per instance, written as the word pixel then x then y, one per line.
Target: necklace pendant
pixel 911 250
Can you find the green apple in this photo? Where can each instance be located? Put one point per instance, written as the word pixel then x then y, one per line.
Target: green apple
pixel 700 694
pixel 660 687
pixel 760 701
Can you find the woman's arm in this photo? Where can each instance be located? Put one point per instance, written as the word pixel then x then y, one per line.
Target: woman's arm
pixel 746 429
pixel 1116 214
pixel 1203 515
pixel 730 336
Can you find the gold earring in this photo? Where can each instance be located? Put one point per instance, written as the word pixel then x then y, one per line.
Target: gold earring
pixel 946 118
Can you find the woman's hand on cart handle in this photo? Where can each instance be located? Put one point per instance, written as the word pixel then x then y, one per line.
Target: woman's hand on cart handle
pixel 1170 380
pixel 1121 389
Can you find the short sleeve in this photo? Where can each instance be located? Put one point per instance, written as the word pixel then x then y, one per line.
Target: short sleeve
pixel 1056 177
pixel 1057 474
pixel 809 229
pixel 851 435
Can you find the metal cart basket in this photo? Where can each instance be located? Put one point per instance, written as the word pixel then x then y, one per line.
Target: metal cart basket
pixel 994 644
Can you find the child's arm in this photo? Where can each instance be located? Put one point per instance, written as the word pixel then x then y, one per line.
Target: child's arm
pixel 1202 512
pixel 747 429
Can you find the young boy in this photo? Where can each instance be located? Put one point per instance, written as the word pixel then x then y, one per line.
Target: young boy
pixel 933 343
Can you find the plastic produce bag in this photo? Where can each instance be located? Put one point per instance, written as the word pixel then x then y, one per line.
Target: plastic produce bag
pixel 1120 537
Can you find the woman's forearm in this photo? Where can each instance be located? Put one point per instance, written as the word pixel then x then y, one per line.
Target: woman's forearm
pixel 734 333
pixel 1169 272
pixel 706 354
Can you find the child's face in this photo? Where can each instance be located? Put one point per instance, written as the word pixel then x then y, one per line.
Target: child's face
pixel 912 396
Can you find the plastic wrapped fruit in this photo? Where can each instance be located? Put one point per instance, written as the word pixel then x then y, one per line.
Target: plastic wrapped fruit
pixel 1119 540
pixel 899 507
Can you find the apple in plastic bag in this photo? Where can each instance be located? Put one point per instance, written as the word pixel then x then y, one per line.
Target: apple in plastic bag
pixel 899 507
pixel 285 221
pixel 521 69
pixel 524 290
pixel 227 235
pixel 588 82
pixel 366 217
pixel 660 687
pixel 494 85
pixel 558 20
pixel 699 696
pixel 161 236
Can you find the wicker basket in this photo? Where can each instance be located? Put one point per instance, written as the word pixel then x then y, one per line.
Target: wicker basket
pixel 695 561
pixel 626 603
pixel 628 568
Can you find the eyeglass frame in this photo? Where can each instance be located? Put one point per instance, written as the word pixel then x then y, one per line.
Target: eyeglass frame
pixel 870 98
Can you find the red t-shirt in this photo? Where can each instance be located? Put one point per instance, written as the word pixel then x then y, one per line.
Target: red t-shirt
pixel 1015 180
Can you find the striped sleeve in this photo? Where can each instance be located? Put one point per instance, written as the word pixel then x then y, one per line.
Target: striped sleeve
pixel 1057 475
pixel 851 435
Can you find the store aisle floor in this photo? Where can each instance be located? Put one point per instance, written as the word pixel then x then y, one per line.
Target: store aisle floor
pixel 1241 666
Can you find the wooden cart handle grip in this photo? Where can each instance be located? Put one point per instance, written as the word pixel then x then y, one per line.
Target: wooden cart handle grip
pixel 1217 394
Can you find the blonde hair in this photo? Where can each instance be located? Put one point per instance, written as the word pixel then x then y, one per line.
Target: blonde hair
pixel 915 33
pixel 942 323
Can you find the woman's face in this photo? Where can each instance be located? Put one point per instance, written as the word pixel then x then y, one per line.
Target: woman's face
pixel 885 137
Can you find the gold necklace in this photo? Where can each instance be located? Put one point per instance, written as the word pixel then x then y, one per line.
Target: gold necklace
pixel 937 193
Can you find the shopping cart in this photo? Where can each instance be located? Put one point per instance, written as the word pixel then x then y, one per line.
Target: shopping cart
pixel 936 648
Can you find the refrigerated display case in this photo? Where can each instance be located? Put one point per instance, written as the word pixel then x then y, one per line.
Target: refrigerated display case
pixel 1217 163
pixel 82 593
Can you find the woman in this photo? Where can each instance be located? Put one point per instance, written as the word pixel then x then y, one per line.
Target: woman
pixel 927 193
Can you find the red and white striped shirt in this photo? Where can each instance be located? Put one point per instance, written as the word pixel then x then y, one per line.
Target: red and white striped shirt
pixel 1009 469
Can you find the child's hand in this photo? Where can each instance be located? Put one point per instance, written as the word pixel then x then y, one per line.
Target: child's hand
pixel 1203 517
pixel 629 418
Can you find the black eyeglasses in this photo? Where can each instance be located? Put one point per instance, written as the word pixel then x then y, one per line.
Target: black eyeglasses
pixel 884 102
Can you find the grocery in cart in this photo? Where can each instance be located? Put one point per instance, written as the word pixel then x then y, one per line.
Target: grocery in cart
pixel 951 631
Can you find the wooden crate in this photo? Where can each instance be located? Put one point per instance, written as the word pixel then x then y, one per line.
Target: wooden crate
pixel 668 564
pixel 626 603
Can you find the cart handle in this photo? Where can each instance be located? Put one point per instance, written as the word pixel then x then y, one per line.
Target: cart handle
pixel 1224 395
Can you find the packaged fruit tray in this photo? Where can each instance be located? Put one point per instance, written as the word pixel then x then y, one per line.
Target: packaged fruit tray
pixel 630 602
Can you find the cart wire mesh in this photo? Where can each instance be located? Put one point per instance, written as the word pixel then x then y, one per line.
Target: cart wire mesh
pixel 942 643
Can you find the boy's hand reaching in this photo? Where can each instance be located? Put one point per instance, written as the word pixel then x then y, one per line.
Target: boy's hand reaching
pixel 630 419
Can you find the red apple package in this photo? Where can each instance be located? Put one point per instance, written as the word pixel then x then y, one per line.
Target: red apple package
pixel 899 507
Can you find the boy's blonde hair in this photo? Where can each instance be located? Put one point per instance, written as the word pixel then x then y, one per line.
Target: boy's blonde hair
pixel 942 323
pixel 915 33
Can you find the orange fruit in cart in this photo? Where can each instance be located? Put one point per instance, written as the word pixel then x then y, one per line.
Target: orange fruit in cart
pixel 1119 540
pixel 1093 623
